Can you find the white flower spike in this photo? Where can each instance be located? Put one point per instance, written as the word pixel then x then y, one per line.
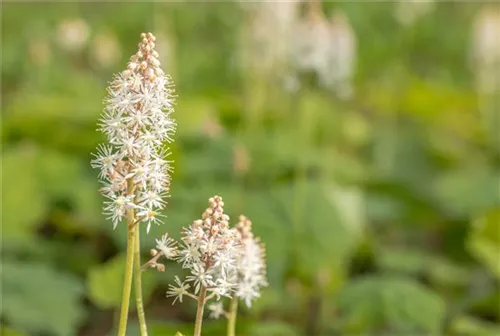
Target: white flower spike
pixel 137 122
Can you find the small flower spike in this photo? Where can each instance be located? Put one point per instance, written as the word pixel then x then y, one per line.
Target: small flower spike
pixel 137 122
pixel 251 267
pixel 209 250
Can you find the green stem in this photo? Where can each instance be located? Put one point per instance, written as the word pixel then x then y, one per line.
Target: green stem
pixel 199 312
pixel 231 321
pixel 138 284
pixel 127 282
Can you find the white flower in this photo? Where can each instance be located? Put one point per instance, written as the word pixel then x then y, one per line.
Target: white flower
pixel 326 48
pixel 247 292
pixel 177 291
pixel 216 310
pixel 117 207
pixel 166 246
pixel 200 277
pixel 105 160
pixel 251 269
pixel 136 121
pixel 189 255
pixel 149 216
pixel 222 288
pixel 209 250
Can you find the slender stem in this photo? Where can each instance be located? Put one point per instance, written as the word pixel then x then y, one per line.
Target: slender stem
pixel 231 320
pixel 199 312
pixel 138 284
pixel 127 282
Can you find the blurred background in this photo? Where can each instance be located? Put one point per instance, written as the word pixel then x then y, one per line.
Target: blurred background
pixel 362 139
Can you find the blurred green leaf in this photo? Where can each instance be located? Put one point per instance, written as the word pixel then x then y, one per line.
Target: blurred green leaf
pixel 326 232
pixel 105 283
pixel 469 325
pixel 37 299
pixel 417 262
pixel 484 240
pixel 408 261
pixel 390 304
pixel 468 190
pixel 6 331
pixel 24 204
pixel 273 328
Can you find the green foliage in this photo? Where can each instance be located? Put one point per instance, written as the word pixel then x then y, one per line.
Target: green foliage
pixel 484 240
pixel 390 304
pixel 105 282
pixel 37 298
pixel 419 263
pixel 273 329
pixel 18 223
pixel 467 325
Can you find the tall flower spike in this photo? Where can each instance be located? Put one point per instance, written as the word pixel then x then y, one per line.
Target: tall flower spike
pixel 137 122
pixel 251 268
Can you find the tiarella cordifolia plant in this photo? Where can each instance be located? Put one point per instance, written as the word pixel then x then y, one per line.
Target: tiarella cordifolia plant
pixel 250 275
pixel 134 170
pixel 209 250
pixel 223 261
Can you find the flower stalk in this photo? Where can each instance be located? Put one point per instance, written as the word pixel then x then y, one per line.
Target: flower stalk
pixel 199 312
pixel 129 264
pixel 138 284
pixel 231 317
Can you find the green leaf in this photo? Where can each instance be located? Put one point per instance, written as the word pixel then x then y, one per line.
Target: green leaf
pixel 273 328
pixel 484 240
pixel 417 262
pixel 467 191
pixel 105 283
pixel 24 205
pixel 469 325
pixel 407 261
pixel 51 306
pixel 326 231
pixel 390 304
pixel 178 334
pixel 6 331
pixel 63 179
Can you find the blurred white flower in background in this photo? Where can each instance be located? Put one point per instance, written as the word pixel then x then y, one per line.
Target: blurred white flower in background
pixel 73 34
pixel 105 49
pixel 267 34
pixel 407 12
pixel 216 310
pixel 326 48
pixel 485 49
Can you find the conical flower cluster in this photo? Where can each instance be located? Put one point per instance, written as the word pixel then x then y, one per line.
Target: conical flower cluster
pixel 251 265
pixel 137 122
pixel 209 250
